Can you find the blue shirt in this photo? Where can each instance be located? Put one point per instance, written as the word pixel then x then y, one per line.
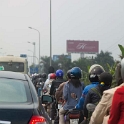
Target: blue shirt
pixel 67 90
pixel 84 93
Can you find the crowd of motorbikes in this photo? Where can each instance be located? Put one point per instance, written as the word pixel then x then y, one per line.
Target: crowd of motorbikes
pixel 52 107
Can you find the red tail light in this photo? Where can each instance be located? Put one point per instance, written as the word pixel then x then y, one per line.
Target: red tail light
pixel 37 120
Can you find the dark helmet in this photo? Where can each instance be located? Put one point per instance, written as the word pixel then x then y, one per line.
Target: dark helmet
pixel 44 75
pixel 40 75
pixel 69 74
pixel 105 80
pixel 94 72
pixel 59 73
pixel 76 72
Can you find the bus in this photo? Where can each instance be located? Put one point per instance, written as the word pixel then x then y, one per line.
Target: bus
pixel 13 63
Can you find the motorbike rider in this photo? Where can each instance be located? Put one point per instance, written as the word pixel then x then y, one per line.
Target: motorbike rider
pixel 59 94
pixel 57 82
pixel 43 75
pixel 59 91
pixel 71 93
pixel 47 86
pixel 101 112
pixel 46 82
pixel 94 95
pixel 94 72
pixel 39 85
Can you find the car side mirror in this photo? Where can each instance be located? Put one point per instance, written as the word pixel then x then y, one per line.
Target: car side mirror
pixel 46 99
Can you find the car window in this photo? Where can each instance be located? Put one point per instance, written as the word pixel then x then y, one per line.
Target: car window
pixel 12 90
pixel 12 66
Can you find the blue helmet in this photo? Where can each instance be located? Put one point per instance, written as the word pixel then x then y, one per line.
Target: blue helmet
pixel 59 73
pixel 76 72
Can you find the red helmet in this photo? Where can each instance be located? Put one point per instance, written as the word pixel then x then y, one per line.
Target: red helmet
pixel 52 76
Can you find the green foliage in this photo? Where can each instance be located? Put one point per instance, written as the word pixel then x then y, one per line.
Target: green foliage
pixel 103 58
pixel 122 51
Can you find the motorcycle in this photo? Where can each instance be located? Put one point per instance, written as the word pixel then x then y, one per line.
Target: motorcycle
pixel 90 107
pixel 72 116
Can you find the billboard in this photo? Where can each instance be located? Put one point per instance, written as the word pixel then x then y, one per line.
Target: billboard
pixel 78 46
pixel 56 57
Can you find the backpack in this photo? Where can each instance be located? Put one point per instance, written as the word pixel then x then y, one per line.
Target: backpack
pixel 95 104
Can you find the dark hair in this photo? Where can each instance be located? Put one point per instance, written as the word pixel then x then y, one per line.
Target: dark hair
pixel 75 82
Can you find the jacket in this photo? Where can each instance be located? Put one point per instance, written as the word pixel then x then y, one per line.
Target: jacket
pixel 55 85
pixel 94 95
pixel 84 93
pixel 103 108
pixel 117 108
pixel 67 91
pixel 59 91
pixel 47 85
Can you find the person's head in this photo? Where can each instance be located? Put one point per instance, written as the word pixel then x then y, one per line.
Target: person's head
pixel 52 76
pixel 68 75
pixel 75 74
pixel 44 75
pixel 94 72
pixel 118 77
pixel 59 73
pixel 105 80
pixel 40 75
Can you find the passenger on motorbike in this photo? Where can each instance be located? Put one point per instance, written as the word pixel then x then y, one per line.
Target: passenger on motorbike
pixel 71 93
pixel 102 110
pixel 94 72
pixel 94 95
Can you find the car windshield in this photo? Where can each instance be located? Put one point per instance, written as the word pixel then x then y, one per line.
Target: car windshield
pixel 15 91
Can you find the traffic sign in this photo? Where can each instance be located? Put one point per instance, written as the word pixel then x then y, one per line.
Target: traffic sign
pixel 33 70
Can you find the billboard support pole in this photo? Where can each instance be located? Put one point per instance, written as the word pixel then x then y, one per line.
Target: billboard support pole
pixel 82 55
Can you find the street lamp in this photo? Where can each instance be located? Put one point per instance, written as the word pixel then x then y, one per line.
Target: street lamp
pixel 33 43
pixel 50 36
pixel 39 44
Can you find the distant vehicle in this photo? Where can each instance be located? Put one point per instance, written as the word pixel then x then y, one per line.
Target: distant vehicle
pixel 19 103
pixel 13 63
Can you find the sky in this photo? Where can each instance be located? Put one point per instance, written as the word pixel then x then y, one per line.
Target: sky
pixel 99 20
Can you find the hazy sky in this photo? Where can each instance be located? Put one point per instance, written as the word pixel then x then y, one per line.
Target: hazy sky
pixel 100 20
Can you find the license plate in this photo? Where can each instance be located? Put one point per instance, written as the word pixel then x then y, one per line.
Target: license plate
pixel 74 121
pixel 59 106
pixel 5 122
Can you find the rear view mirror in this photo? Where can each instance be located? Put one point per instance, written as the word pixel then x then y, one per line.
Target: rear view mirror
pixel 46 99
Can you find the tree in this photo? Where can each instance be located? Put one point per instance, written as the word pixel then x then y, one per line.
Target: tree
pixel 104 58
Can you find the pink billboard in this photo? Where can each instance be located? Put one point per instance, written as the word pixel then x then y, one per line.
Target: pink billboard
pixel 78 46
